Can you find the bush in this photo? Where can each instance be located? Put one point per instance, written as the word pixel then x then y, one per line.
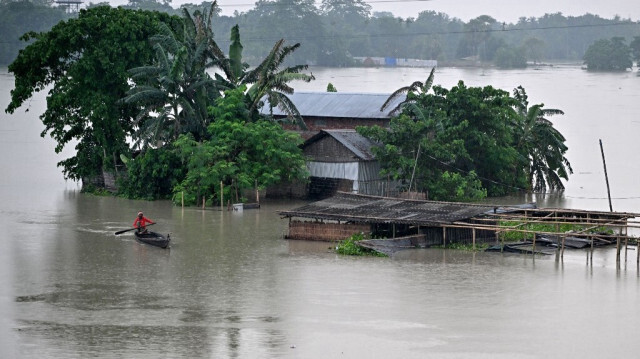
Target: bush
pixel 350 248
pixel 152 175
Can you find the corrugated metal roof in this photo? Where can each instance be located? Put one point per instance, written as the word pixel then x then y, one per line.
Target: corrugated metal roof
pixel 338 104
pixel 373 209
pixel 355 142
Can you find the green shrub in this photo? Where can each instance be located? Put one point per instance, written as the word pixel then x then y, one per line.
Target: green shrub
pixel 350 248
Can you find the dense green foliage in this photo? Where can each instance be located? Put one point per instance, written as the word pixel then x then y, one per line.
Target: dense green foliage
pixel 173 92
pixel 153 174
pixel 466 143
pixel 517 235
pixel 123 78
pixel 511 57
pixel 239 153
pixel 611 54
pixel 85 61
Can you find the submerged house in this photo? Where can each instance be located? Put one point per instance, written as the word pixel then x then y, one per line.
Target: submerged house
pixel 431 222
pixel 342 160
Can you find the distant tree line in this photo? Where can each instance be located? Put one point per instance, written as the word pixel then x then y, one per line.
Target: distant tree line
pixel 339 30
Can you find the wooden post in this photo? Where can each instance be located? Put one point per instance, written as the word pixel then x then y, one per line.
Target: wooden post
pixel 618 249
pixel 257 193
pixel 626 243
pixel 591 254
pixel 204 201
pixel 444 236
pixel 182 200
pixel 606 177
pixel 221 196
pixel 533 252
pixel 473 236
pixel 562 252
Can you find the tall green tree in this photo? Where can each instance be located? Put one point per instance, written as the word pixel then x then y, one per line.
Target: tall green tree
pixel 267 81
pixel 175 91
pixel 534 48
pixel 465 143
pixel 408 94
pixel 608 55
pixel 239 152
pixel 477 36
pixel 84 61
pixel 542 145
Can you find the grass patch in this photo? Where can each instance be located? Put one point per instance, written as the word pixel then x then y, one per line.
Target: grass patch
pixel 514 236
pixel 350 248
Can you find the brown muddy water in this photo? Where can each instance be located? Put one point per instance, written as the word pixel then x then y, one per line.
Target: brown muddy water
pixel 232 287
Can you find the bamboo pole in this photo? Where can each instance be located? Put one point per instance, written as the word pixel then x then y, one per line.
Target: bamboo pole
pixel 473 230
pixel 606 177
pixel 626 244
pixel 591 254
pixel 444 236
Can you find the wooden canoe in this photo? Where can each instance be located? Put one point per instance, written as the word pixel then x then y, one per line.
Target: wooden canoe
pixel 154 239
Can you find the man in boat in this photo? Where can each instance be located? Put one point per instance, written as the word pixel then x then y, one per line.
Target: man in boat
pixel 141 223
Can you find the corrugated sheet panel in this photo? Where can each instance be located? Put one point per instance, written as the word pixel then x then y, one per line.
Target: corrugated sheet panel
pixel 338 104
pixel 371 209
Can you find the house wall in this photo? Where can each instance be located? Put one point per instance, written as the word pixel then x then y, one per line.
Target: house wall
pixel 315 123
pixel 319 231
pixel 328 149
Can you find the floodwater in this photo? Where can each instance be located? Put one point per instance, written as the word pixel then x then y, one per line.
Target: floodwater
pixel 231 287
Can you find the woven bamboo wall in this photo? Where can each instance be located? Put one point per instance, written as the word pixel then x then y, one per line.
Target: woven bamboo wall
pixel 318 231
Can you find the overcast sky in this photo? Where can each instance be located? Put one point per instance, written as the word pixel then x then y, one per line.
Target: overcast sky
pixel 502 10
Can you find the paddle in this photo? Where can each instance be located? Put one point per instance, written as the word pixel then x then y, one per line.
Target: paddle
pixel 131 229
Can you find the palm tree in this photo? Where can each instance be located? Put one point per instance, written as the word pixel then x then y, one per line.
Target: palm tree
pixel 541 144
pixel 412 92
pixel 266 81
pixel 175 91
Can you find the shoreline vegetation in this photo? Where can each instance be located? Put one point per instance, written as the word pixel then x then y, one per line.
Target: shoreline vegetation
pixel 152 116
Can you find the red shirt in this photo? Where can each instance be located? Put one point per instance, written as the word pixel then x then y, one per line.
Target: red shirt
pixel 142 222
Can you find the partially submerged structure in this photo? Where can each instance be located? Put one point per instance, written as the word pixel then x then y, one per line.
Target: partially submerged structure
pixel 420 223
pixel 342 160
pixel 344 214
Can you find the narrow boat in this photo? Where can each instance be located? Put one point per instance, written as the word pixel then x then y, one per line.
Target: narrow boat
pixel 154 239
